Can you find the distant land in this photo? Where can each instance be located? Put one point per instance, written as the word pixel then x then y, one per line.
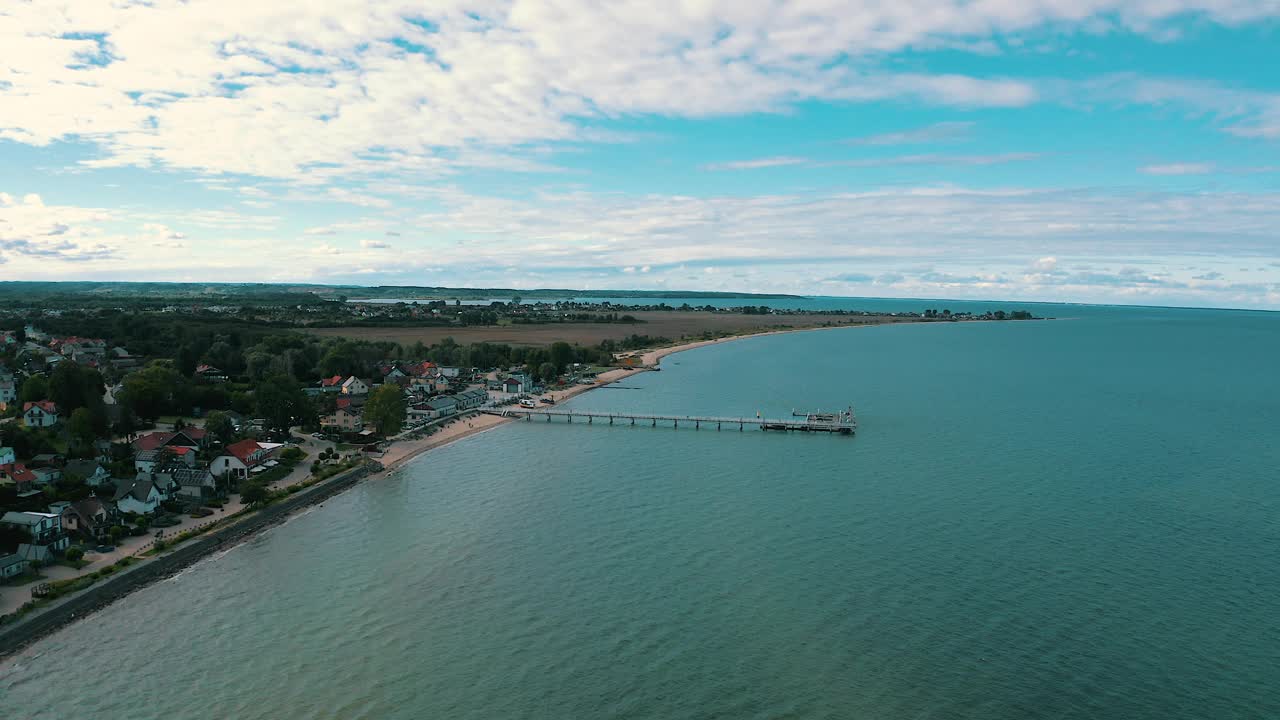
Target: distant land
pixel 33 290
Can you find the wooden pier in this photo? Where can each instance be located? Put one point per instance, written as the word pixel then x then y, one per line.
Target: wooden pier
pixel 843 423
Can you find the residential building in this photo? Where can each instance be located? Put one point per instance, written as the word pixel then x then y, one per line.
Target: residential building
pixel 7 456
pixel 240 459
pixel 189 437
pixel 138 494
pixel 163 457
pixel 343 420
pixel 21 478
pixel 90 471
pixel 355 386
pixel 47 475
pixel 89 518
pixel 474 398
pixel 331 384
pixel 194 484
pixel 440 407
pixel 12 566
pixel 40 414
pixel 45 529
pixel 8 393
pixel 122 359
pixel 210 373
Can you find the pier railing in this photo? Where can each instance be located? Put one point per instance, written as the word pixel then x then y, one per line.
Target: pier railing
pixel 839 423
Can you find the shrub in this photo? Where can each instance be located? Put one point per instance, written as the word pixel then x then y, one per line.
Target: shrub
pixel 75 553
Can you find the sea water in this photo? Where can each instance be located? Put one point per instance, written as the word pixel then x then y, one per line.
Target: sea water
pixel 1077 518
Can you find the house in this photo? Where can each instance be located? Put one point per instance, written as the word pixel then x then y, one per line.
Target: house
pixel 47 475
pixel 48 460
pixel 23 480
pixel 194 484
pixel 474 398
pixel 138 494
pixel 36 553
pixel 240 459
pixel 7 456
pixel 8 393
pixel 89 518
pixel 189 437
pixel 210 373
pixel 45 529
pixel 40 414
pixel 448 372
pixel 422 369
pixel 90 471
pixel 392 374
pixel 517 384
pixel 163 457
pixel 355 386
pixel 331 384
pixel 443 406
pixel 12 566
pixel 122 359
pixel 344 419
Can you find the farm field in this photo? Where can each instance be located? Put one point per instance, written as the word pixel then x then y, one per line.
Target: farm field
pixel 669 324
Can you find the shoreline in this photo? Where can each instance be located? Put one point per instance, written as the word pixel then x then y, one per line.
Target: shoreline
pixel 397 456
pixel 651 358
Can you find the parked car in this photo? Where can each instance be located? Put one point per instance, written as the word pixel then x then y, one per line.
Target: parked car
pixel 104 548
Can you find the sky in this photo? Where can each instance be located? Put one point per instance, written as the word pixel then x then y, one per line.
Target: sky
pixel 1112 151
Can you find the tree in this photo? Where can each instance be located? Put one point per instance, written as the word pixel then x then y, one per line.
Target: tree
pixel 187 360
pixel 220 426
pixel 385 409
pixel 253 492
pixel 34 388
pixel 80 427
pixel 152 391
pixel 547 372
pixel 281 403
pixel 561 356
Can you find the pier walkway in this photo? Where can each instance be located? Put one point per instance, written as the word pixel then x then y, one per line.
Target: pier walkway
pixel 840 423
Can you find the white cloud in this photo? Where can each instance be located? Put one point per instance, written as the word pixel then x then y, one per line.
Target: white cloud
pixel 374 245
pixel 32 232
pixel 769 162
pixel 306 91
pixel 937 132
pixel 1178 169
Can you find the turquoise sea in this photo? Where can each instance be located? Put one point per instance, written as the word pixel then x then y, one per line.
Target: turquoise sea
pixel 1068 519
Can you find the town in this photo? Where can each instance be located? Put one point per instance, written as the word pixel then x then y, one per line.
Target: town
pixel 107 456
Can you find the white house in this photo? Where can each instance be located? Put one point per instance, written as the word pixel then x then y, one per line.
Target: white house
pixel 138 495
pixel 240 459
pixel 45 528
pixel 40 414
pixel 8 393
pixel 355 386
pixel 7 456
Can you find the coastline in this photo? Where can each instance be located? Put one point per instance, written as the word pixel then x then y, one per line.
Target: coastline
pixel 37 626
pixel 402 451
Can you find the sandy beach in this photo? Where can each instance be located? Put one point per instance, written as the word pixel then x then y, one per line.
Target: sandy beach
pixel 402 451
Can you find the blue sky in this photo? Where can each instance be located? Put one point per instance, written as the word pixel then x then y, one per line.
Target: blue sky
pixel 1087 151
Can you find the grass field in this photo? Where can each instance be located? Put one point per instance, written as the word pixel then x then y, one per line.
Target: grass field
pixel 668 324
